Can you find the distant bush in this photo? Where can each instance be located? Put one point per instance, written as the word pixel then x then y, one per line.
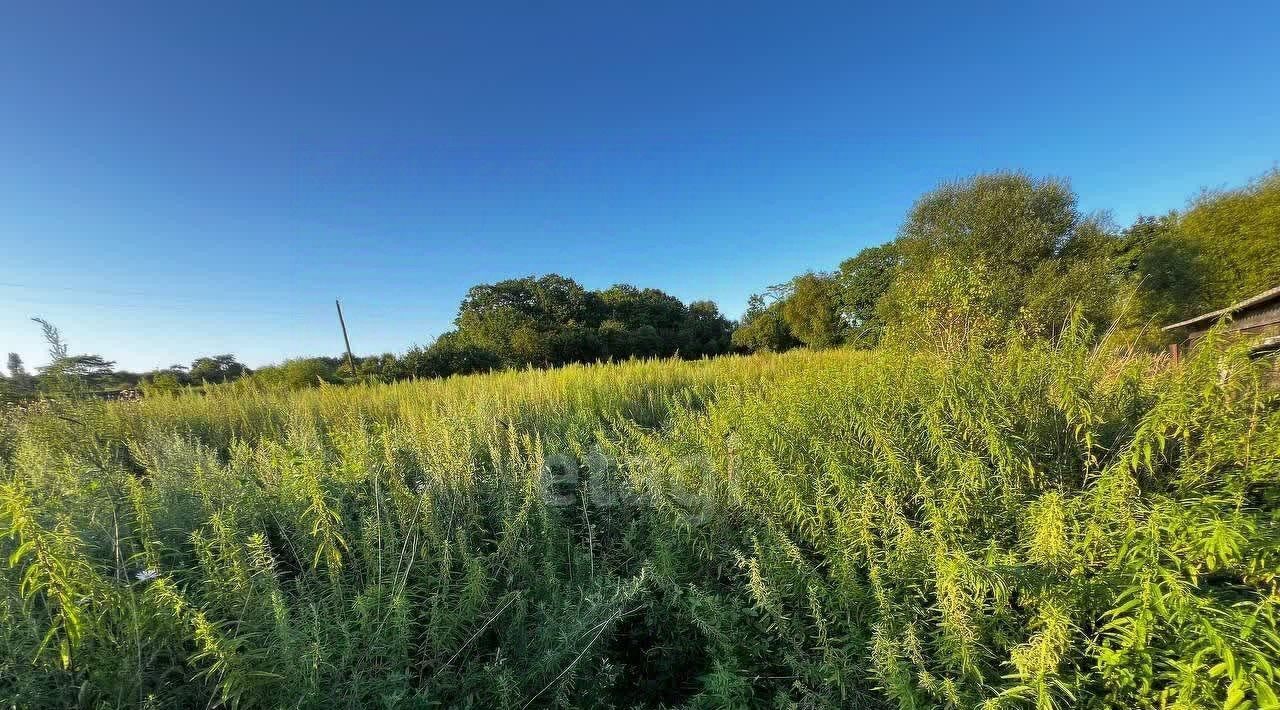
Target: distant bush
pixel 298 373
pixel 162 383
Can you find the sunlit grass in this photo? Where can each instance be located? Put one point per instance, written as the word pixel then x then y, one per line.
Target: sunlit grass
pixel 1044 526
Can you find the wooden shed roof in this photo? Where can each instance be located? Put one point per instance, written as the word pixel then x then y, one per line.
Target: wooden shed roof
pixel 1209 318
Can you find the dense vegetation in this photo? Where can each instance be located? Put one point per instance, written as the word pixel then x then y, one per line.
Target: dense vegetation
pixel 525 322
pixel 998 505
pixel 1037 524
pixel 1006 248
pixel 982 254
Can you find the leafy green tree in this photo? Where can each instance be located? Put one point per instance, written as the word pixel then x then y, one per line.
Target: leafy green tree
pixel 299 373
pixel 518 318
pixel 763 328
pixel 450 354
pixel 69 375
pixel 1005 224
pixel 378 368
pixel 216 369
pixel 1010 222
pixel 543 302
pixel 1167 268
pixel 861 281
pixel 552 320
pixel 76 375
pixel 615 339
pixel 1043 260
pixel 650 318
pixel 1233 239
pixel 704 332
pixel 955 305
pixel 812 311
pixel 635 307
pixel 1093 289
pixel 529 345
pixel 647 341
pixel 576 343
pixel 161 383
pixel 20 383
pixel 1086 278
pixel 16 368
pixel 177 370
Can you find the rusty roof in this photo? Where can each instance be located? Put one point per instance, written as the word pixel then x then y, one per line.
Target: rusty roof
pixel 1264 297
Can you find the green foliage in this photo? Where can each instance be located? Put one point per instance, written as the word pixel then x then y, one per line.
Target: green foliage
pixel 216 368
pixel 635 308
pixel 299 373
pixel 377 368
pixel 763 328
pixel 860 284
pixel 812 311
pixel 517 318
pixel 1022 236
pixel 15 366
pixel 67 375
pixel 1233 234
pixel 1041 262
pixel 953 306
pixel 1168 268
pixel 1087 277
pixel 1010 221
pixel 1031 524
pixel 450 354
pixel 552 320
pixel 704 332
pixel 19 385
pixel 161 383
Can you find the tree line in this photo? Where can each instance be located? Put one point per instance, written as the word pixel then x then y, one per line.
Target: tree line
pixel 542 321
pixel 979 256
pixel 972 259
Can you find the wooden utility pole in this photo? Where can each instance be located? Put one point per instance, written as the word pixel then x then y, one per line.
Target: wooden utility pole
pixel 351 361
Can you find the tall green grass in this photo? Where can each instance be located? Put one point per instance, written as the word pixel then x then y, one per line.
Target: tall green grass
pixel 1040 526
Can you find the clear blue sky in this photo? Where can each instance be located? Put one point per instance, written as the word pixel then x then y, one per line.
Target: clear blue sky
pixel 179 179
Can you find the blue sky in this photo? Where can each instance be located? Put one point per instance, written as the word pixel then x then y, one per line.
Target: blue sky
pixel 179 179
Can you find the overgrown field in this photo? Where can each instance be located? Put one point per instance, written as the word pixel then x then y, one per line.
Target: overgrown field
pixel 1039 526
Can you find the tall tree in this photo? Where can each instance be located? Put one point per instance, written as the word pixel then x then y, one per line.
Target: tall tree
pixel 1234 235
pixel 763 328
pixel 642 322
pixel 216 369
pixel 20 383
pixel 1009 221
pixel 16 368
pixel 705 331
pixel 634 307
pixel 954 305
pixel 518 318
pixel 812 311
pixel 1168 269
pixel 450 354
pixel 861 281
pixel 70 375
pixel 1023 235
